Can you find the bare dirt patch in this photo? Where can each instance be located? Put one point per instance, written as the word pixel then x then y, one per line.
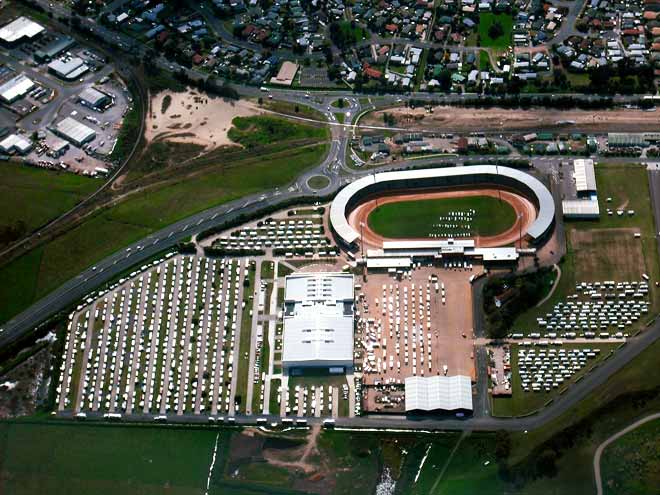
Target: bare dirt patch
pixel 22 387
pixel 607 254
pixel 458 119
pixel 207 119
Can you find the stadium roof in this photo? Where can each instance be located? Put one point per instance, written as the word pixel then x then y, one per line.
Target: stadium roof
pixel 74 130
pixel 438 393
pixel 585 177
pixel 19 29
pixel 544 199
pixel 16 87
pixel 318 320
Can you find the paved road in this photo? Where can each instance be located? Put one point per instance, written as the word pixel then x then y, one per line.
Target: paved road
pixel 616 436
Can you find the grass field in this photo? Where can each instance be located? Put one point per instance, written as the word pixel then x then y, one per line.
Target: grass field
pixel 486 20
pixel 72 458
pixel 632 463
pixel 260 130
pixel 407 219
pixel 318 182
pixel 146 212
pixel 35 196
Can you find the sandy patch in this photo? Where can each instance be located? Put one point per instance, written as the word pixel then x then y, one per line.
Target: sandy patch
pixel 195 118
pixel 457 119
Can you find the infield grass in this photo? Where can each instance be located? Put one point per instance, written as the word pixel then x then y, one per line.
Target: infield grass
pixel 406 219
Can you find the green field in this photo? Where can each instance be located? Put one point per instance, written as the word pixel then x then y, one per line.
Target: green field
pixel 407 219
pixel 75 459
pixel 260 130
pixel 31 197
pixel 318 182
pixel 632 463
pixel 146 212
pixel 486 20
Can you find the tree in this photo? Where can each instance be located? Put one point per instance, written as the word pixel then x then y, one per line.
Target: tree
pixel 495 30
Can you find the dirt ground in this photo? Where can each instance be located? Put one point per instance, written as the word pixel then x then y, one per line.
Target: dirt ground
pixel 194 118
pixel 443 330
pixel 457 119
pixel 521 205
pixel 23 386
pixel 607 254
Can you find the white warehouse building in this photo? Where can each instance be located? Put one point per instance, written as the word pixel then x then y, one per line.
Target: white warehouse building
pixel 318 322
pixel 438 393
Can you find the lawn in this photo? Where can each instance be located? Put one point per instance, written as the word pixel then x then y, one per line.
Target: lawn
pixel 488 19
pixel 318 182
pixel 148 211
pixel 261 130
pixel 632 463
pixel 406 219
pixel 31 197
pixel 72 458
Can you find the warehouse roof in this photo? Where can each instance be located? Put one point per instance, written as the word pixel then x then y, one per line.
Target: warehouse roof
pixel 70 68
pixel 19 29
pixel 580 207
pixel 92 96
pixel 538 228
pixel 438 393
pixel 74 130
pixel 585 177
pixel 318 319
pixel 14 142
pixel 15 87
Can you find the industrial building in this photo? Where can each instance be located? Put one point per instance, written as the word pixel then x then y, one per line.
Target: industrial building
pixel 585 206
pixel 318 322
pixel 68 69
pixel 19 30
pixel 16 88
pixel 438 394
pixel 54 49
pixel 74 131
pixel 585 177
pixel 93 98
pixel 626 140
pixel 580 209
pixel 286 74
pixel 15 144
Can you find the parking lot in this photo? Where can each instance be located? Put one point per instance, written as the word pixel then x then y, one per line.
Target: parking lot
pixel 162 341
pixel 420 325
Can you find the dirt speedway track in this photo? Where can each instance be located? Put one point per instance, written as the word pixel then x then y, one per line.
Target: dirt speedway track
pixel 524 208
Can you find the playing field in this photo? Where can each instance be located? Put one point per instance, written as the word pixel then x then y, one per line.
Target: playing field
pixel 422 218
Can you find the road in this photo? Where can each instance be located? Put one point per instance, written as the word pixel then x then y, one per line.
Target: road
pixel 616 436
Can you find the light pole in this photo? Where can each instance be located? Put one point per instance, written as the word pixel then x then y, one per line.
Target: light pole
pixel 520 215
pixel 362 239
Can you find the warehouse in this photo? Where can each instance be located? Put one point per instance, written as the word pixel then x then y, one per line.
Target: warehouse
pixel 15 144
pixel 19 30
pixel 54 48
pixel 585 177
pixel 626 140
pixel 318 323
pixel 438 394
pixel 16 88
pixel 74 131
pixel 93 98
pixel 580 209
pixel 68 69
